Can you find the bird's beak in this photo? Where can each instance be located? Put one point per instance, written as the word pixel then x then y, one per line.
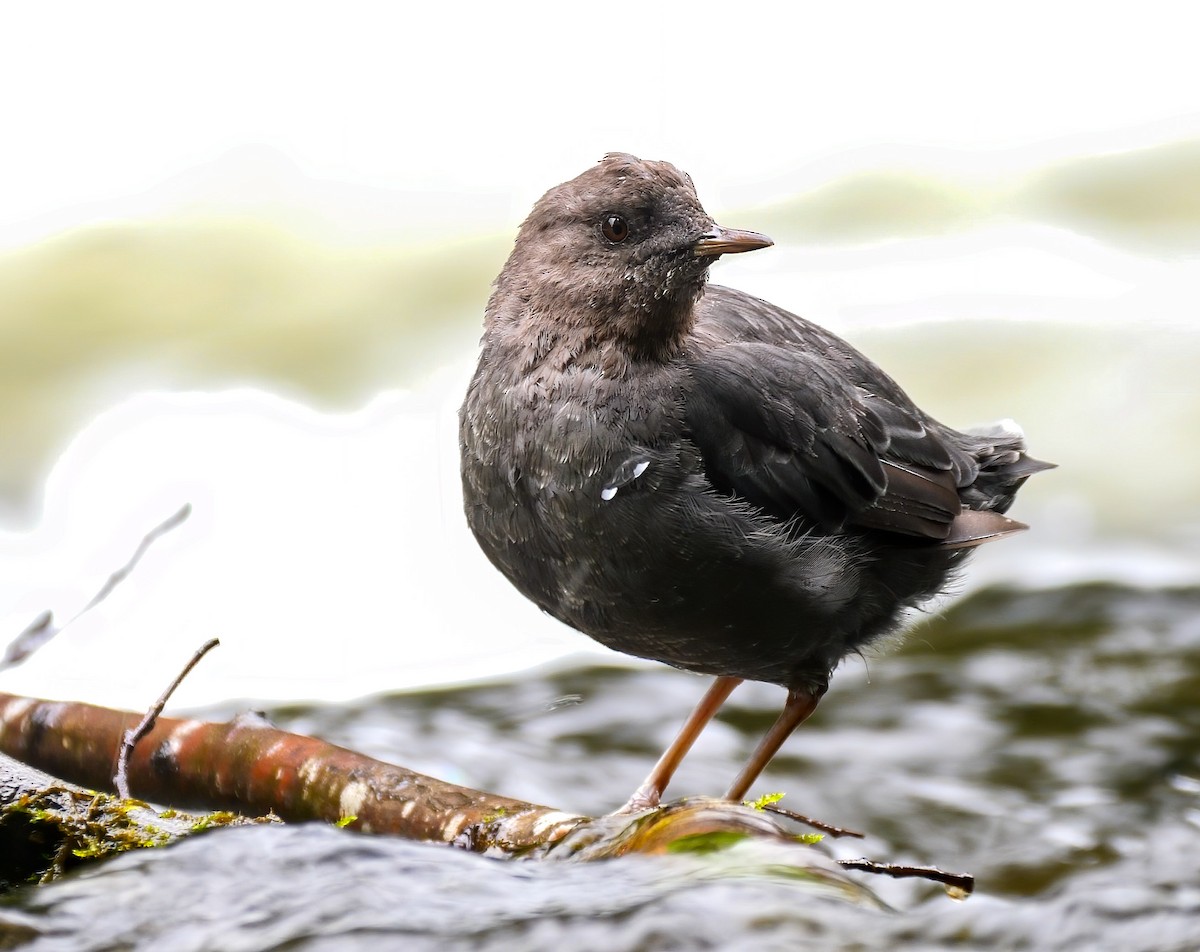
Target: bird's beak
pixel 729 241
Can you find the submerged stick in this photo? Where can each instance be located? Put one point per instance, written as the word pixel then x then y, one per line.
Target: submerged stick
pixel 960 883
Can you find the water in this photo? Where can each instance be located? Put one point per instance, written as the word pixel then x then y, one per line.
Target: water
pixel 1046 741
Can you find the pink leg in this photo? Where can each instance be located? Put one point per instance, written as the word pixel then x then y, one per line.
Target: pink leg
pixel 800 703
pixel 651 790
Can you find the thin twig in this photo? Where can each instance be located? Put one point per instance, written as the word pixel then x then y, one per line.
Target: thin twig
pixel 834 831
pixel 147 540
pixel 961 881
pixel 42 628
pixel 131 737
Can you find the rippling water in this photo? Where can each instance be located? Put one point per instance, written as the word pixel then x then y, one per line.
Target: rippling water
pixel 1046 741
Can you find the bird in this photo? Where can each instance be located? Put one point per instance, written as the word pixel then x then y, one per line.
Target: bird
pixel 689 474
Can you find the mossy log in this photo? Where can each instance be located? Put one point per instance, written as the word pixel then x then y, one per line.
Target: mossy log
pixel 48 827
pixel 249 767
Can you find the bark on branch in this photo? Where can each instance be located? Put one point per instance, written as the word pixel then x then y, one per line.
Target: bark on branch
pixel 248 766
pixel 251 767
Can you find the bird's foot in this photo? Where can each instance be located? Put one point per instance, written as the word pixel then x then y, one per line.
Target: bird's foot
pixel 645 797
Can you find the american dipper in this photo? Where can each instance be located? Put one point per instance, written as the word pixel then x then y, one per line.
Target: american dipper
pixel 690 474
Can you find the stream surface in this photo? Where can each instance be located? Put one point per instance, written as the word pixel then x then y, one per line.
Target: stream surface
pixel 1047 741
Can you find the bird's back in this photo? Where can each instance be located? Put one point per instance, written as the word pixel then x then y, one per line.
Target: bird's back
pixel 988 464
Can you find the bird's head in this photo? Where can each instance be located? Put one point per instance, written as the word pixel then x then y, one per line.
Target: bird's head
pixel 622 250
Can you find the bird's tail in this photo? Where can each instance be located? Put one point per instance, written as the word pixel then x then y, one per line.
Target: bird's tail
pixel 999 449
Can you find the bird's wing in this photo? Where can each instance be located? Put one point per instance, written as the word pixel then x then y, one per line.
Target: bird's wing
pixel 785 431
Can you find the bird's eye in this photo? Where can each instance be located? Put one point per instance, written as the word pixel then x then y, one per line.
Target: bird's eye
pixel 615 229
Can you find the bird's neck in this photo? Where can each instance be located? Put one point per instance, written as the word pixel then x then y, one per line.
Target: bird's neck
pixel 558 335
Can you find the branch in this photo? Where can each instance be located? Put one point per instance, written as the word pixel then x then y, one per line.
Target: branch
pixel 251 767
pixel 958 885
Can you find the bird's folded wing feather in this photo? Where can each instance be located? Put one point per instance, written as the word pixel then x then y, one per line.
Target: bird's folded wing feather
pixel 783 430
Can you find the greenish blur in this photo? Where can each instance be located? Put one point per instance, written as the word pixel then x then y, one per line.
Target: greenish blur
pixel 94 315
pixel 91 316
pixel 1146 200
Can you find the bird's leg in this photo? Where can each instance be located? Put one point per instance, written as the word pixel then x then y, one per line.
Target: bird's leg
pixel 651 790
pixel 800 703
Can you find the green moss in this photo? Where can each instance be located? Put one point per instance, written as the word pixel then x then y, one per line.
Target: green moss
pixel 45 834
pixel 711 842
pixel 210 820
pixel 766 800
pixel 68 826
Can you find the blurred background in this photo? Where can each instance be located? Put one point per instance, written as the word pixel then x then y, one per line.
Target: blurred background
pixel 245 250
pixel 244 257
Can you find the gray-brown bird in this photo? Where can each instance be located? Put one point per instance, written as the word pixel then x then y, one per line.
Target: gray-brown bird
pixel 690 474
